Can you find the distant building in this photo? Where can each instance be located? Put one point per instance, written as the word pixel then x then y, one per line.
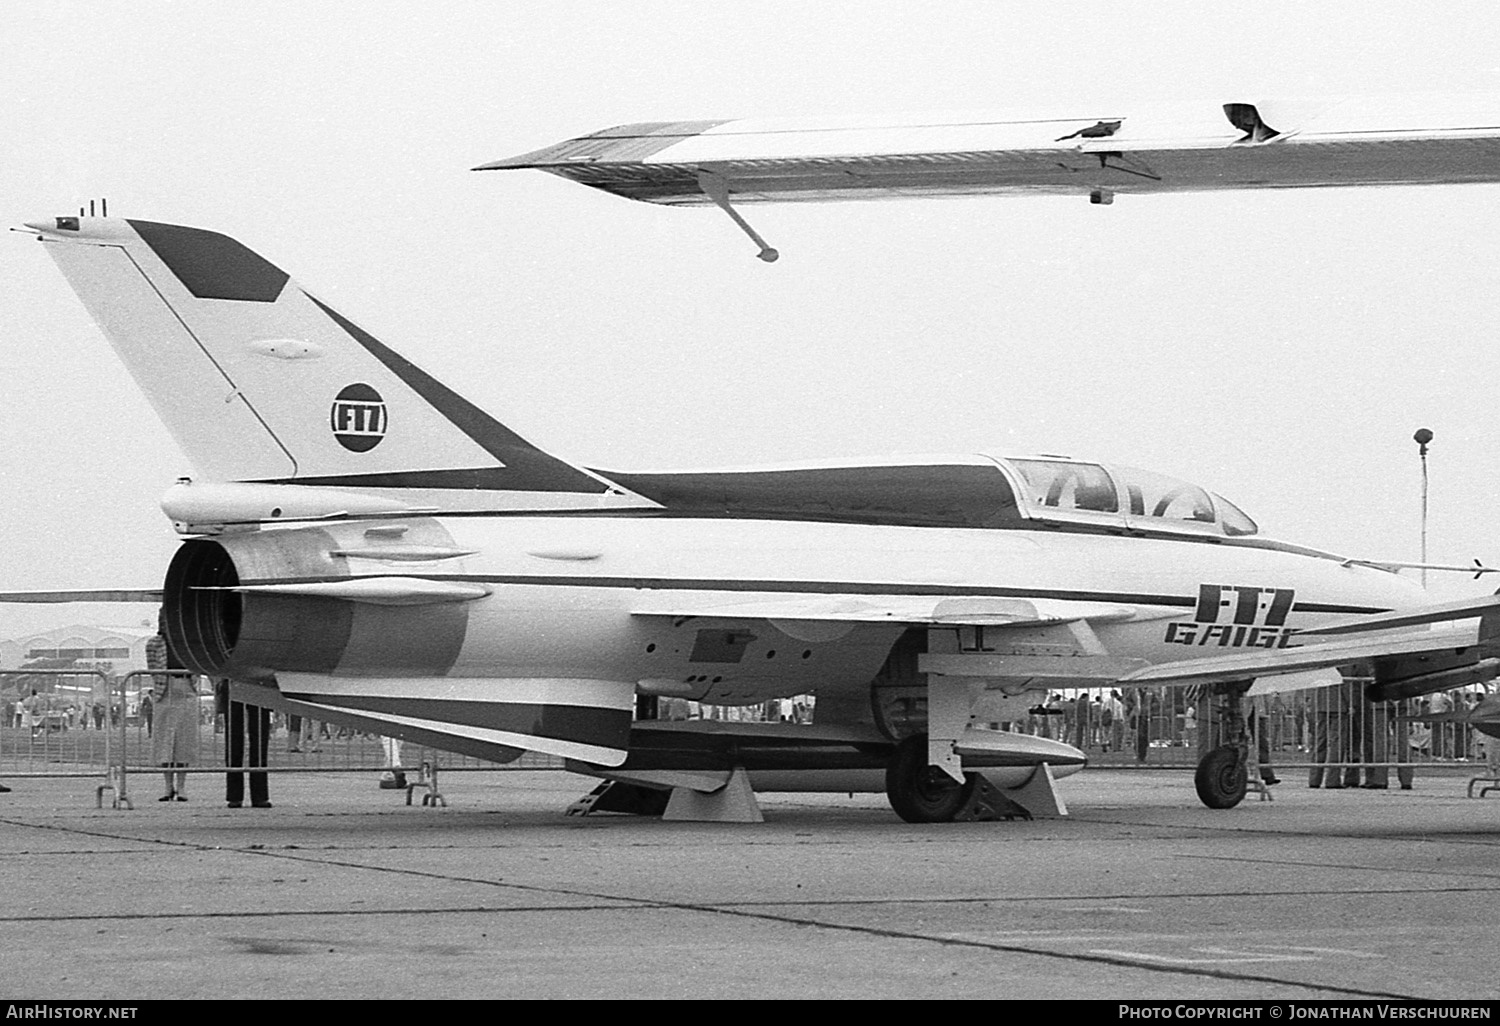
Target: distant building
pixel 114 650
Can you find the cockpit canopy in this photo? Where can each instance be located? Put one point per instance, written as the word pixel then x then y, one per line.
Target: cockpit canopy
pixel 1055 488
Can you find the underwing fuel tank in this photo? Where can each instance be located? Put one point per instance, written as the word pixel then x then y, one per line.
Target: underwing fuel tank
pixel 1475 672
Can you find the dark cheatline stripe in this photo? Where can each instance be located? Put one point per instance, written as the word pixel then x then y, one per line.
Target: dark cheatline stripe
pixel 582 724
pixel 526 469
pixel 816 587
pixel 1334 607
pixel 830 588
pixel 210 265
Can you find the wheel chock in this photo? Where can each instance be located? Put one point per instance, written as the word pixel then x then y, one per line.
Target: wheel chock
pixel 733 803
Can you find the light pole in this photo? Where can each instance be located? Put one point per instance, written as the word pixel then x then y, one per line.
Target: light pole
pixel 1422 437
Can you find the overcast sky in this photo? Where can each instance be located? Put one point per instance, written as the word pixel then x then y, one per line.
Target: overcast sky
pixel 1280 348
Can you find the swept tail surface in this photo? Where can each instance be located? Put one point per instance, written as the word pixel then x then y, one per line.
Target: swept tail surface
pixel 259 381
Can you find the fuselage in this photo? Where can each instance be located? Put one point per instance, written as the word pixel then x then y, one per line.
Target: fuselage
pixel 593 596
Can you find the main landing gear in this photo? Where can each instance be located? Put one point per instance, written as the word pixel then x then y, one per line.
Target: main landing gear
pixel 921 793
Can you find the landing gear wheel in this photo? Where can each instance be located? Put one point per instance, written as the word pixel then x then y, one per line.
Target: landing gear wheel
pixel 1220 779
pixel 921 793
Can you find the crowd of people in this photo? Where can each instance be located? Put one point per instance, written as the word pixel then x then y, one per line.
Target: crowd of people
pixel 42 712
pixel 1325 725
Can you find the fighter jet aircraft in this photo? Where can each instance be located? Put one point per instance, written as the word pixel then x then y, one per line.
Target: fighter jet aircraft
pixel 369 545
pixel 1097 151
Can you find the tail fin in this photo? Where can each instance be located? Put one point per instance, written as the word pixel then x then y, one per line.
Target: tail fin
pixel 259 381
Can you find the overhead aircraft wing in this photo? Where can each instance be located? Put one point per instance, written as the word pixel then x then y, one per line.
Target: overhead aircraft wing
pixel 1249 143
pixel 959 610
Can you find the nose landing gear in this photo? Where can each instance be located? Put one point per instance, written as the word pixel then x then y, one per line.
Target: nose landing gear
pixel 1222 779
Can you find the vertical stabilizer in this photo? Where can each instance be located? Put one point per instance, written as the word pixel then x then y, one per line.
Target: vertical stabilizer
pixel 259 381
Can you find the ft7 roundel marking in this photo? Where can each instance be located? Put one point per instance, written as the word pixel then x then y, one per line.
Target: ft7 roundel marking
pixel 358 418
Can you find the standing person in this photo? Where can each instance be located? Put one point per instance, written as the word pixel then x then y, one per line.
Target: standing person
pixel 1259 725
pixel 1080 720
pixel 1330 713
pixel 1114 720
pixel 1147 711
pixel 36 713
pixel 307 740
pixel 247 739
pixel 1382 744
pixel 176 706
pixel 1439 703
pixel 1041 715
pixel 1352 702
pixel 1276 717
pixel 392 779
pixel 146 712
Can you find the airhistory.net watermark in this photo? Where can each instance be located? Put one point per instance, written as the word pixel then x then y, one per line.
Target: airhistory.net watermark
pixel 69 1010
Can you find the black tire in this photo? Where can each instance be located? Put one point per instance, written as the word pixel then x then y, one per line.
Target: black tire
pixel 1221 779
pixel 921 793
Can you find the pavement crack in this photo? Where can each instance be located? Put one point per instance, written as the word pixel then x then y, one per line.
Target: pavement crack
pixel 736 911
pixel 1320 864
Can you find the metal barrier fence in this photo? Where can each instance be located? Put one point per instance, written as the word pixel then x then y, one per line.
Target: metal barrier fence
pixel 1329 732
pixel 42 735
pixel 1331 728
pixel 117 743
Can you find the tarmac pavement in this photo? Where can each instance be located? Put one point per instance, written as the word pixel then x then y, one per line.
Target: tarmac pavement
pixel 343 891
